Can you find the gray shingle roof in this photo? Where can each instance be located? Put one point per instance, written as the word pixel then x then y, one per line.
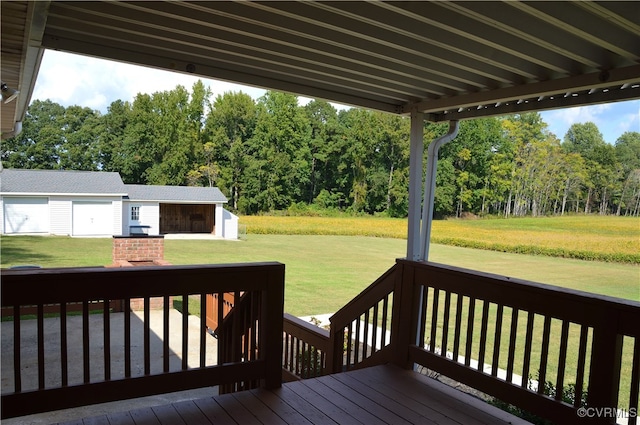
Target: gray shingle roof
pixel 50 182
pixel 61 182
pixel 176 194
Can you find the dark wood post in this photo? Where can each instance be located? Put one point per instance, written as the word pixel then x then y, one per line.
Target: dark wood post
pixel 404 315
pixel 606 357
pixel 271 327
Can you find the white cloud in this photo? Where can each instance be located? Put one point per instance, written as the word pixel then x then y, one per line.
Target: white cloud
pixel 70 79
pixel 580 114
pixel 629 122
pixel 612 119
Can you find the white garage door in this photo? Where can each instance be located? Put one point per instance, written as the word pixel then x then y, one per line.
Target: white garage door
pixel 26 215
pixel 92 218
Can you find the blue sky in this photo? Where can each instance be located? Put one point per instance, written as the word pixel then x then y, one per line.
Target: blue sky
pixel 79 80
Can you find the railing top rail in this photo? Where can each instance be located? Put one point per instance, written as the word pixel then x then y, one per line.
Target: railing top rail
pixel 306 326
pixel 540 298
pixel 41 286
pixel 383 285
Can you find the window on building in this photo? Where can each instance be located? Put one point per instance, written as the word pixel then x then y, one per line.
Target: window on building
pixel 135 213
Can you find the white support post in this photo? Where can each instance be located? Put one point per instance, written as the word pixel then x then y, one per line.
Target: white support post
pixel 415 184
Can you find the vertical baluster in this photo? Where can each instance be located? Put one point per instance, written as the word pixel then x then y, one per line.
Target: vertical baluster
pixel 423 318
pixel 236 335
pixel 434 320
pixel 497 338
pixel 483 334
pixel 106 326
pixel 562 359
pixel 147 336
pixel 165 334
pixel 544 355
pixel 219 319
pixel 298 358
pixel 527 350
pixel 40 347
pixel 86 358
pixel 185 331
pixel 582 356
pixel 356 351
pixel 365 337
pixel 385 310
pixel 469 340
pixel 203 330
pixel 456 337
pixel 445 324
pixel 349 342
pixel 17 375
pixel 247 326
pixel 256 302
pixel 285 350
pixel 291 356
pixel 304 360
pixel 635 382
pixel 374 337
pixel 64 360
pixel 127 337
pixel 512 343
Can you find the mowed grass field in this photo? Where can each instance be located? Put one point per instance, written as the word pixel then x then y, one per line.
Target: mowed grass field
pixel 324 272
pixel 602 238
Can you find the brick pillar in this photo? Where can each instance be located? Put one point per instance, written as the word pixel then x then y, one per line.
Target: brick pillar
pixel 129 251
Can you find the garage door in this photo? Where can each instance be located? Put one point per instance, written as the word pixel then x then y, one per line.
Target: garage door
pixel 26 215
pixel 92 218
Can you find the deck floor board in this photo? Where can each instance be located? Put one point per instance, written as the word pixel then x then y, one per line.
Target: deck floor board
pixel 167 415
pixel 375 395
pixel 260 410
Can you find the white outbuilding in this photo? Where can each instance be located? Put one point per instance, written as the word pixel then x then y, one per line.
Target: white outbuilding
pixel 93 204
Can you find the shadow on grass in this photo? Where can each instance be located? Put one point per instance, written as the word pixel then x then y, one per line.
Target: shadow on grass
pixel 15 250
pixel 193 306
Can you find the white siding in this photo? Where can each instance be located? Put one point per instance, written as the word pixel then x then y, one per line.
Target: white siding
pixel 60 215
pixel 117 217
pixel 219 220
pixel 150 216
pixel 2 214
pixel 230 225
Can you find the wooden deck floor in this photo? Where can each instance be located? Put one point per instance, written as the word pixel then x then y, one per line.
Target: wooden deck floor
pixel 376 395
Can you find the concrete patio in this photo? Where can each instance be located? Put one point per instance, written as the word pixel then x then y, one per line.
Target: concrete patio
pixel 29 365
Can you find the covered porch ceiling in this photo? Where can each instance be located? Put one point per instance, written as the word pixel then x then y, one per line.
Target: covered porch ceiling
pixel 451 60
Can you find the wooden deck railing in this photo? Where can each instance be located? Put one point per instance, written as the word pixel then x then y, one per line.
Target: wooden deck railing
pixel 238 335
pixel 305 349
pixel 41 287
pixel 360 332
pixel 564 355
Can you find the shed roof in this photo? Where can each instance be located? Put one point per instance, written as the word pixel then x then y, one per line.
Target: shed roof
pixel 44 182
pixel 175 194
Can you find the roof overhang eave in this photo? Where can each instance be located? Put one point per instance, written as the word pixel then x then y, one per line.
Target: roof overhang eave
pixel 602 87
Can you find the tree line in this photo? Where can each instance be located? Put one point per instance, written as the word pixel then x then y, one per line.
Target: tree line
pixel 273 154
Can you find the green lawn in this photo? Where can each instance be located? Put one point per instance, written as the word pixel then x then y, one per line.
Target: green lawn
pixel 325 272
pixel 603 238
